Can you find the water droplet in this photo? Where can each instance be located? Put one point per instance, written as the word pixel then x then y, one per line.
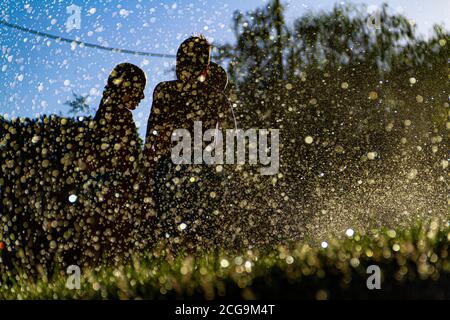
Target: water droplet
pixel 73 198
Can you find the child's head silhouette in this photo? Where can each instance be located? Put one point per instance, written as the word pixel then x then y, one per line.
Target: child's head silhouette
pixel 126 85
pixel 217 77
pixel 193 57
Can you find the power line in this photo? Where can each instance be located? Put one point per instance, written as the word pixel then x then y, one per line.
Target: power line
pixel 87 44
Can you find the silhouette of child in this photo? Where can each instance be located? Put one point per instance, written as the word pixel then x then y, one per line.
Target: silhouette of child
pixel 115 167
pixel 186 212
pixel 116 133
pixel 217 77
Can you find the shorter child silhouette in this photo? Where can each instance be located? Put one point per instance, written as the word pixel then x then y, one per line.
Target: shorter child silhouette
pixel 217 77
pixel 116 133
pixel 116 154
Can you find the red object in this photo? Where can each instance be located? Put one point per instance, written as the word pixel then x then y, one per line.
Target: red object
pixel 2 245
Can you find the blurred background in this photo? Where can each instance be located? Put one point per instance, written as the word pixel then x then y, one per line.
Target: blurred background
pixel 359 91
pixel 38 75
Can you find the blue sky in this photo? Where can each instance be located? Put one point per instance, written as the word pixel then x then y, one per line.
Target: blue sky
pixel 38 75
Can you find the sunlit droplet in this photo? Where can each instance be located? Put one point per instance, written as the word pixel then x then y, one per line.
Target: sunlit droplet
pixel 224 263
pixel 349 232
pixel 309 140
pixel 182 226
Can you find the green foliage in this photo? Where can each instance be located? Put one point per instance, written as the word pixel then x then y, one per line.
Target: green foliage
pixel 349 87
pixel 78 104
pixel 414 264
pixel 43 162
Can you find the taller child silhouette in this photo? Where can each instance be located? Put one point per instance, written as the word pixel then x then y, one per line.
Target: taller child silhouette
pixel 187 197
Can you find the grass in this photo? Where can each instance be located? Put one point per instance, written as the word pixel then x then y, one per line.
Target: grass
pixel 414 264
